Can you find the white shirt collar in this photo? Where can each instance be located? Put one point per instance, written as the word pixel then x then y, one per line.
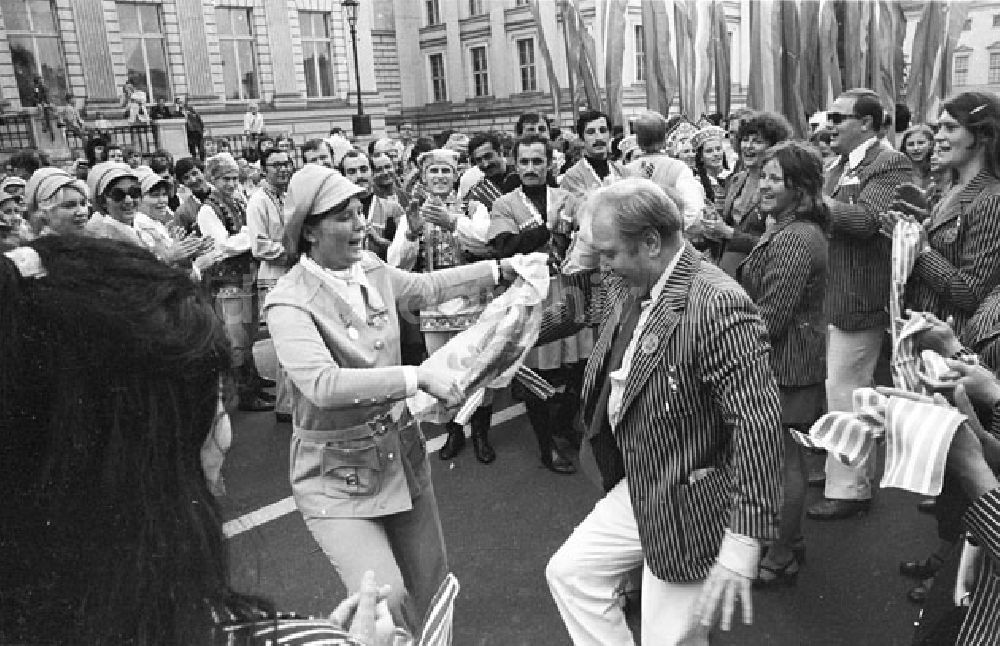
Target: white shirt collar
pixel 353 274
pixel 857 155
pixel 661 282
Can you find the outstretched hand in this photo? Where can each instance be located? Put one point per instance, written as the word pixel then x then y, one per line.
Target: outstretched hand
pixel 719 595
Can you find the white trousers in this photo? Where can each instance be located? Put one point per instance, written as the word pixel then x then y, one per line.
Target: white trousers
pixel 585 573
pixel 850 363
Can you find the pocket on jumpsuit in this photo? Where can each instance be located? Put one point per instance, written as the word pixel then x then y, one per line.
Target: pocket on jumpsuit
pixel 352 471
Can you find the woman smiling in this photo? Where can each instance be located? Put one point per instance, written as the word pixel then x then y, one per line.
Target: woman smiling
pixel 359 468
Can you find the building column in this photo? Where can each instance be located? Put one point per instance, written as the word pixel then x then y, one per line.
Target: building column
pixel 194 47
pixel 95 53
pixel 279 35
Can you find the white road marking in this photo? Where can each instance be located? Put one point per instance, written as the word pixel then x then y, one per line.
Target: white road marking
pixel 276 510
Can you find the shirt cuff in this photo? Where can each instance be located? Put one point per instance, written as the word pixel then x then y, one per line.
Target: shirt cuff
pixel 739 553
pixel 412 383
pixel 495 266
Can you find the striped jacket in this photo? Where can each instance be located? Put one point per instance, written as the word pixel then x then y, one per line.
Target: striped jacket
pixel 700 437
pixel 982 624
pixel 963 265
pixel 857 293
pixel 982 332
pixel 785 275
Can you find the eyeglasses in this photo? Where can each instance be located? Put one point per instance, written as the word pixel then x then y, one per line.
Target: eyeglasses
pixel 119 195
pixel 837 118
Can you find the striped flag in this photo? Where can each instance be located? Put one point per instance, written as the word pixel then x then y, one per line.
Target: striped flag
pixel 926 45
pixel 685 19
pixel 887 49
pixel 661 73
pixel 614 56
pixel 857 19
pixel 543 45
pixel 721 58
pixel 940 80
pixel 765 45
pixel 791 99
pixel 702 89
pixel 440 615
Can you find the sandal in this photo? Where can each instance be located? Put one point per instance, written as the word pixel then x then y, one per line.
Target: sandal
pixel 770 575
pixel 921 569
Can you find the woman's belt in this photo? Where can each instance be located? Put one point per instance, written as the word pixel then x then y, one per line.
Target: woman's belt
pixel 377 426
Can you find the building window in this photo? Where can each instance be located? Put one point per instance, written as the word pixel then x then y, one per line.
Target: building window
pixel 239 55
pixel 640 54
pixel 476 7
pixel 433 12
pixel 317 57
pixel 526 62
pixel 994 68
pixel 961 76
pixel 145 50
pixel 35 48
pixel 967 26
pixel 480 72
pixel 996 20
pixel 438 81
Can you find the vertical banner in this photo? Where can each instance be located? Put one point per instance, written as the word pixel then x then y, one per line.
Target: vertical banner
pixel 810 79
pixel 684 32
pixel 543 45
pixel 661 73
pixel 791 100
pixel 926 44
pixel 614 56
pixel 721 58
pixel 829 59
pixel 702 59
pixel 940 83
pixel 582 49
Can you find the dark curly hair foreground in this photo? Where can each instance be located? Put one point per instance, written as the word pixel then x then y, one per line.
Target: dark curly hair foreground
pixel 109 372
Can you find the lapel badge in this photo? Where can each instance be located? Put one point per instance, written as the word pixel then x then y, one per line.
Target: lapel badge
pixel 352 332
pixel 650 343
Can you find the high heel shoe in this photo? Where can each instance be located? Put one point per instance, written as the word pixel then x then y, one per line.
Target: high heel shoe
pixel 771 575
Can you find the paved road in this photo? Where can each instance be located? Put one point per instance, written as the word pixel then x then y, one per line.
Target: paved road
pixel 504 520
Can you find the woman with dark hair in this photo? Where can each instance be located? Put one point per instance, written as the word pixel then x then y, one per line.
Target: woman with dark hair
pixel 96 150
pixel 742 224
pixel 918 144
pixel 710 164
pixel 109 365
pixel 359 468
pixel 958 261
pixel 785 275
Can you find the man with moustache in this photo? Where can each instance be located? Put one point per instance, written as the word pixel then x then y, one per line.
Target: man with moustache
pixel 857 190
pixel 390 147
pixel 533 217
pixel 484 149
pixel 381 215
pixel 385 182
pixel 595 169
pixel 190 172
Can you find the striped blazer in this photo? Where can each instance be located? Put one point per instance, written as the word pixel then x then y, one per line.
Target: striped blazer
pixel 857 293
pixel 700 437
pixel 963 265
pixel 785 275
pixel 982 623
pixel 982 332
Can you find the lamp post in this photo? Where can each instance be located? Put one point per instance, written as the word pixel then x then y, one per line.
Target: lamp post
pixel 361 123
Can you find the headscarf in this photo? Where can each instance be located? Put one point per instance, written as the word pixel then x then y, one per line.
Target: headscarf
pixel 101 176
pixel 705 134
pixel 220 163
pixel 313 189
pixel 46 182
pixel 438 156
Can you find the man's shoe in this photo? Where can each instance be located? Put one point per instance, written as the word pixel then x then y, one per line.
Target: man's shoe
pixel 265 396
pixel 256 405
pixel 482 448
pixel 927 506
pixel 455 442
pixel 283 418
pixel 264 382
pixel 558 463
pixel 817 479
pixel 836 509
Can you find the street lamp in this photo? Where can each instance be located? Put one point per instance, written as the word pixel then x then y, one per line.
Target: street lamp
pixel 361 123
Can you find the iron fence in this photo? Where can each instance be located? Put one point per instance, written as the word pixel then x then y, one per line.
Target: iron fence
pixel 144 138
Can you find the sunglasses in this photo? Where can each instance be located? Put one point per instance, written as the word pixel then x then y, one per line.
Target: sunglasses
pixel 837 118
pixel 119 195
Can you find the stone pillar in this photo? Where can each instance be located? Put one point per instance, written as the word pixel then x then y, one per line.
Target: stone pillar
pixel 95 52
pixel 194 45
pixel 279 33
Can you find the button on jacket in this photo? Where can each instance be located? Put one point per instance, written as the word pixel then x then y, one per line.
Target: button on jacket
pixel 348 458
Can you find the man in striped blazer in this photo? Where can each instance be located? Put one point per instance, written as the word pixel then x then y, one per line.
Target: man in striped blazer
pixel 858 190
pixel 683 426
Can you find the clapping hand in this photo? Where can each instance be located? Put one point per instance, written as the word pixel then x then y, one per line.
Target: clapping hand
pixel 438 215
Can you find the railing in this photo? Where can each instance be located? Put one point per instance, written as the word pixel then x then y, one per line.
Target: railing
pixel 242 145
pixel 141 137
pixel 15 132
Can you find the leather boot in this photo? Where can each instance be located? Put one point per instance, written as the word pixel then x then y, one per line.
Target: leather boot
pixel 480 434
pixel 541 424
pixel 453 445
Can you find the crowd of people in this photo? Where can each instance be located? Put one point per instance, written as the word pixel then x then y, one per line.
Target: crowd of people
pixel 714 288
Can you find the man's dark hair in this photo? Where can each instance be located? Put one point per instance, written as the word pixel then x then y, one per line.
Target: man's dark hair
pixel 184 166
pixel 769 126
pixel 29 160
pixel 586 117
pixel 528 140
pixel 316 144
pixel 353 154
pixel 528 117
pixel 481 138
pixel 266 155
pixel 420 146
pixel 867 104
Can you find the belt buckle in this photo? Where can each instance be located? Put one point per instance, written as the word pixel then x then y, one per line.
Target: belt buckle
pixel 381 424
